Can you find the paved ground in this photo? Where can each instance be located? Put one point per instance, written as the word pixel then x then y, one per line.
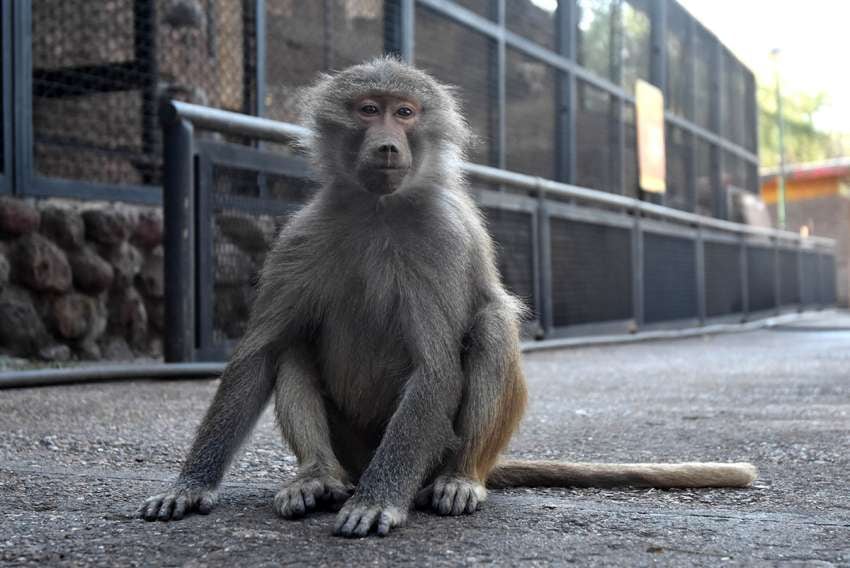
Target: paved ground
pixel 75 461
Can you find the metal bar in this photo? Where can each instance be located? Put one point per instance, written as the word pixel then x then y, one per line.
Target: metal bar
pixel 777 277
pixel 637 273
pixel 260 78
pixel 6 96
pixel 500 79
pixel 71 188
pixel 565 109
pixel 235 123
pixel 658 45
pixel 244 125
pixel 699 250
pixel 179 240
pixel 544 238
pixel 22 95
pixel 408 30
pixel 204 267
pixel 745 278
pixel 147 63
pixel 487 27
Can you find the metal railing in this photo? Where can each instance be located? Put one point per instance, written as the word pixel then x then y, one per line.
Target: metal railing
pixel 585 261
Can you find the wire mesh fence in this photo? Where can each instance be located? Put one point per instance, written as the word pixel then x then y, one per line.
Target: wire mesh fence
pixel 99 70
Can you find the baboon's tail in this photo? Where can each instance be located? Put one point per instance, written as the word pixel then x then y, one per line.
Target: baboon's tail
pixel 511 473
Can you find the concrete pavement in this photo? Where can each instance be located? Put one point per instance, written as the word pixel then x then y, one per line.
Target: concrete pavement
pixel 75 461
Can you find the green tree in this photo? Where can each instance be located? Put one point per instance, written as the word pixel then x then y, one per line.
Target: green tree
pixel 803 141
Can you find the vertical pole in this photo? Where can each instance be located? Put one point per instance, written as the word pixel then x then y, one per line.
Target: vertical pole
pixel 500 151
pixel 745 280
pixel 658 63
pixel 6 95
pixel 565 125
pixel 260 56
pixel 637 271
pixel 780 203
pixel 777 276
pixel 544 246
pixel 399 28
pixel 691 90
pixel 146 60
pixel 179 239
pixel 699 250
pixel 22 96
pixel 717 162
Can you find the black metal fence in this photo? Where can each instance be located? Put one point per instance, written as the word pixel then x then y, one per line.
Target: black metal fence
pixel 548 86
pixel 584 261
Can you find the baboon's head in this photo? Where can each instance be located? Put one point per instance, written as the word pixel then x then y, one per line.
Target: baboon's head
pixel 384 126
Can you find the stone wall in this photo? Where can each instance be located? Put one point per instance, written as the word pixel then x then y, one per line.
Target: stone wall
pixel 80 281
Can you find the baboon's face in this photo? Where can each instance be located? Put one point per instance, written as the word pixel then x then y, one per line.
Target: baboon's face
pixel 387 124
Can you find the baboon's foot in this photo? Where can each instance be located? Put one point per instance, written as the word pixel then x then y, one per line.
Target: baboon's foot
pixel 306 494
pixel 177 502
pixel 360 515
pixel 452 495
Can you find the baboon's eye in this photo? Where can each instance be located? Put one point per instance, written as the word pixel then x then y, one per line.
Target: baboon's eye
pixel 404 112
pixel 369 109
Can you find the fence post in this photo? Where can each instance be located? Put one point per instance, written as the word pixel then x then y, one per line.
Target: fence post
pixel 637 271
pixel 699 248
pixel 745 280
pixel 179 239
pixel 777 277
pixel 544 247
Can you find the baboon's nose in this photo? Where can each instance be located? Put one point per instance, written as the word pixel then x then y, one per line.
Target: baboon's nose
pixel 388 149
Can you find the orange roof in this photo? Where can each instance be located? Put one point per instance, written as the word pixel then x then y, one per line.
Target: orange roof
pixel 838 167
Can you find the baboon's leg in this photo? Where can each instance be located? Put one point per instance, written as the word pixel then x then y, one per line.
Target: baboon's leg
pixel 416 437
pixel 303 421
pixel 493 403
pixel 245 387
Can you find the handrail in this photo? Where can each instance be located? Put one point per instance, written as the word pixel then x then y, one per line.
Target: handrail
pixel 283 132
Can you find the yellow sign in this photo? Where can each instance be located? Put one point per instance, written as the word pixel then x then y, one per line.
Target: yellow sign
pixel 649 104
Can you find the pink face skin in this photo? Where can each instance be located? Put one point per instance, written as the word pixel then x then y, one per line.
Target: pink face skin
pixel 385 156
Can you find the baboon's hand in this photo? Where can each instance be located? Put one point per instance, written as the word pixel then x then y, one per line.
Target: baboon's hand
pixel 302 496
pixel 176 502
pixel 360 515
pixel 452 495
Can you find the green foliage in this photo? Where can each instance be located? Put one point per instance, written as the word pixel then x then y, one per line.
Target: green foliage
pixel 803 141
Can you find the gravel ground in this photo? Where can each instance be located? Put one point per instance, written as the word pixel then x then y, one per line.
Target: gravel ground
pixel 75 462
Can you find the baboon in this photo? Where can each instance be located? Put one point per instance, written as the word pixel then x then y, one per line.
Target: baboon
pixel 383 331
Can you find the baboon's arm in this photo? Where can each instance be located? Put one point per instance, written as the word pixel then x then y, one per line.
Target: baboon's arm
pixel 246 386
pixel 243 392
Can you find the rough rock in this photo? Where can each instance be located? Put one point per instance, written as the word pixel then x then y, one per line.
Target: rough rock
pixel 151 279
pixel 55 352
pixel 127 262
pixel 40 264
pixel 116 349
pixel 91 272
pixel 243 230
pixel 156 313
pixel 128 317
pixel 17 217
pixel 5 269
pixel 64 226
pixel 73 315
pixel 107 226
pixel 21 329
pixel 149 229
